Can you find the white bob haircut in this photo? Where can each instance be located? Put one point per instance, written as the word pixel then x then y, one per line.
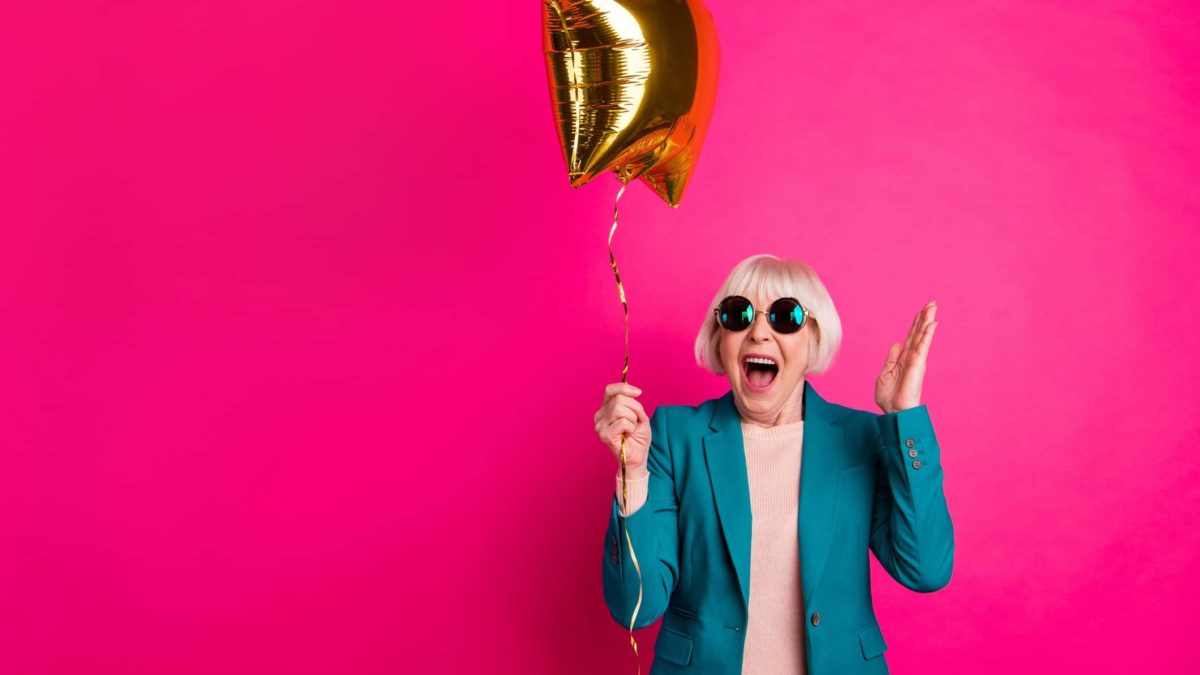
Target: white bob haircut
pixel 775 278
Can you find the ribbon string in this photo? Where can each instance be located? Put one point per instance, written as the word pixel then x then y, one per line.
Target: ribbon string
pixel 625 380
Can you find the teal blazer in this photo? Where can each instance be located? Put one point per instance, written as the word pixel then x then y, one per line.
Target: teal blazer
pixel 866 481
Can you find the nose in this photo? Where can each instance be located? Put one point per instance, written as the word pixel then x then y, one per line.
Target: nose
pixel 760 331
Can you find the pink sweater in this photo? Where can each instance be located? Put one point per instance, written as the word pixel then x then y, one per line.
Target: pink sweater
pixel 774 628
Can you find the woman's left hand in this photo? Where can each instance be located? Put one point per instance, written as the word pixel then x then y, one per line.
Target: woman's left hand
pixel 899 385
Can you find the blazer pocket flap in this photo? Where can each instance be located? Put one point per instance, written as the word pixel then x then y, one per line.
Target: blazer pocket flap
pixel 681 611
pixel 871 641
pixel 673 646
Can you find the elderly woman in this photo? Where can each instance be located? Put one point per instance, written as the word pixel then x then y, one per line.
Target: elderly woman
pixel 751 514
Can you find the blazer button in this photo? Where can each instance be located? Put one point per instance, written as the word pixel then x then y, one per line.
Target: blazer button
pixel 909 443
pixel 916 463
pixel 615 559
pixel 816 618
pixel 912 453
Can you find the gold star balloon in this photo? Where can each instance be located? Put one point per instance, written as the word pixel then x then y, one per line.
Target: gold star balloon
pixel 633 83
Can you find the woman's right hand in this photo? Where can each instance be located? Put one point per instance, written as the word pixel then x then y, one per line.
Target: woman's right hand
pixel 622 414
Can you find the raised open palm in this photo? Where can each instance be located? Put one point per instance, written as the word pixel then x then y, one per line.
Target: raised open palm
pixel 899 385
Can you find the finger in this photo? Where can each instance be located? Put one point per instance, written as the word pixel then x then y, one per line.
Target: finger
pixel 618 427
pixel 621 399
pixel 620 388
pixel 929 316
pixel 926 339
pixel 603 419
pixel 892 355
pixel 923 342
pixel 915 329
pixel 916 359
pixel 920 323
pixel 623 410
pixel 637 408
pixel 632 403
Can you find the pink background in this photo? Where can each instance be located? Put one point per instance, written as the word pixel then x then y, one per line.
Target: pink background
pixel 303 329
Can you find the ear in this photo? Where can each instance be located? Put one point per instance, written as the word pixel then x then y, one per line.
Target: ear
pixel 814 348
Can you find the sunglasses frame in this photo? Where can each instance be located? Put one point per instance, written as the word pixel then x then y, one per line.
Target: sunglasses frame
pixel 767 312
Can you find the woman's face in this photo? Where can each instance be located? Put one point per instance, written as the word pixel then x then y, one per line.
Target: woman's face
pixel 764 394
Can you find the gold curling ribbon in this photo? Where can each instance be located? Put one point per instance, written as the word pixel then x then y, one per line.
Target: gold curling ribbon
pixel 625 380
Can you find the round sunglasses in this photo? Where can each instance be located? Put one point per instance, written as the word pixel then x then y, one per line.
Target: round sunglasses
pixel 786 315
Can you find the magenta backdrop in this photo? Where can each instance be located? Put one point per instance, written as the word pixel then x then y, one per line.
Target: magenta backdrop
pixel 303 329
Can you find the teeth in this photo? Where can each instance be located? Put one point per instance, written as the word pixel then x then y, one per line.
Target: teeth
pixel 756 359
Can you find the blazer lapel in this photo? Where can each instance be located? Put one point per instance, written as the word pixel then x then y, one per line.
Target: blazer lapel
pixel 820 464
pixel 725 457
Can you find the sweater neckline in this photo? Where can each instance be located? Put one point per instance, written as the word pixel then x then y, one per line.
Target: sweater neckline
pixel 755 432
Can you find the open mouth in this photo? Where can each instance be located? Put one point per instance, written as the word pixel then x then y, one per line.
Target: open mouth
pixel 760 372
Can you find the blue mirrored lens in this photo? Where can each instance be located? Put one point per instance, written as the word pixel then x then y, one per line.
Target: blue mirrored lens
pixel 786 315
pixel 736 313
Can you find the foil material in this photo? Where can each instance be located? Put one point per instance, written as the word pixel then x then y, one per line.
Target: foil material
pixel 633 84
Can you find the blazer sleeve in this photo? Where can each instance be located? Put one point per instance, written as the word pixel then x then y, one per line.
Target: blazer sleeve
pixel 911 532
pixel 654 532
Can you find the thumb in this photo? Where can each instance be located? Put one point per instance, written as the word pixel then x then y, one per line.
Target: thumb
pixel 892 356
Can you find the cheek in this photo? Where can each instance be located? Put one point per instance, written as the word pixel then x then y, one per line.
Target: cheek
pixel 798 352
pixel 728 350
